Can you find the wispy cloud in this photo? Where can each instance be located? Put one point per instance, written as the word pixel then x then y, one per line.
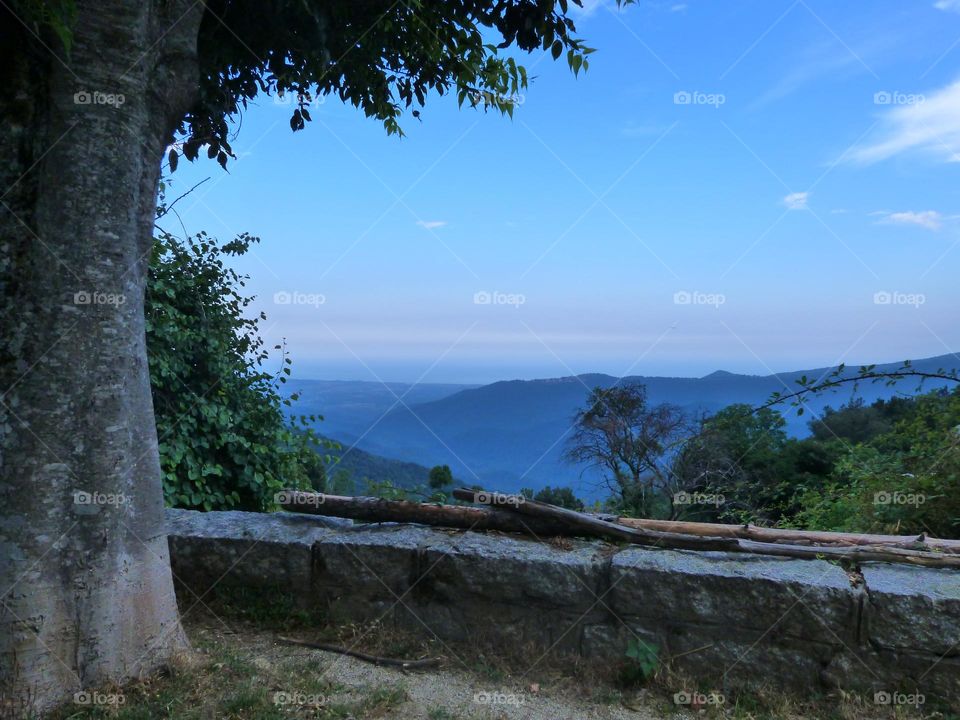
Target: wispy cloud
pixel 796 201
pixel 929 219
pixel 953 5
pixel 825 61
pixel 431 224
pixel 931 128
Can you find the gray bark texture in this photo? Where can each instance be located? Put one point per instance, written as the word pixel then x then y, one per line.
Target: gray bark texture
pixel 86 592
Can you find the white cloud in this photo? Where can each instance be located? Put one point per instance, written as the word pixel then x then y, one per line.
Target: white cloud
pixel 947 5
pixel 431 224
pixel 679 7
pixel 931 128
pixel 929 219
pixel 797 200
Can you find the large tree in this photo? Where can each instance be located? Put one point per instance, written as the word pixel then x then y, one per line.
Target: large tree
pixel 630 442
pixel 93 95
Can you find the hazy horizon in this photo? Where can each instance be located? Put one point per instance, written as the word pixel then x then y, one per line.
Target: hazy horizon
pixel 485 375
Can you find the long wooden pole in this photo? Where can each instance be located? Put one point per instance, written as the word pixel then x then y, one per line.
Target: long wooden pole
pixel 794 537
pixel 590 525
pixel 516 514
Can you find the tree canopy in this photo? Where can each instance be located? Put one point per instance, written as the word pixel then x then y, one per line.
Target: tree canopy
pixel 381 56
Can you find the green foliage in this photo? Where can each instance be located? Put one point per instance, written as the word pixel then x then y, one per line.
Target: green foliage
pixel 643 661
pixel 57 16
pixel 357 469
pixel 381 57
pixel 440 477
pixel 560 496
pixel 224 438
pixel 889 467
pixel 906 480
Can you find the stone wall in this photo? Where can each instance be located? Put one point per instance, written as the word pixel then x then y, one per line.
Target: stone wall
pixel 726 620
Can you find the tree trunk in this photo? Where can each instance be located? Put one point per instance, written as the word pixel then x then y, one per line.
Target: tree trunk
pixel 87 594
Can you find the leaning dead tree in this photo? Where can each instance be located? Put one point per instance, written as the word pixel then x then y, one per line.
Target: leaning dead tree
pixel 517 514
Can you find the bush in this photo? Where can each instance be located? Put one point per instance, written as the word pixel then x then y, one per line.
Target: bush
pixel 224 437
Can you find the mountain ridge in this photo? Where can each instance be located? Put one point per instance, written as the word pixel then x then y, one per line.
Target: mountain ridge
pixel 511 433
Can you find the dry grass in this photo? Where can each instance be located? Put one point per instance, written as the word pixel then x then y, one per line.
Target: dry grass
pixel 238 671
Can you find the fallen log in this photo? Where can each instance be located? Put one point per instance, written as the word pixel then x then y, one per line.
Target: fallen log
pixel 793 537
pixel 580 523
pixel 376 510
pixel 516 514
pixel 577 523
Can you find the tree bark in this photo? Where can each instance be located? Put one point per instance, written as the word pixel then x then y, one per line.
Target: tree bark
pixel 86 593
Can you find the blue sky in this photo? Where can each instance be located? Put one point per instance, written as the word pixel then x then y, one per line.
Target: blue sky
pixel 754 185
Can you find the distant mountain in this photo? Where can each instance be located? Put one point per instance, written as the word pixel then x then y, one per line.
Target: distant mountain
pixel 511 434
pixel 349 408
pixel 363 466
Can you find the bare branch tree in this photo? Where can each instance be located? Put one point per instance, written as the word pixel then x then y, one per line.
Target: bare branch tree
pixel 619 433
